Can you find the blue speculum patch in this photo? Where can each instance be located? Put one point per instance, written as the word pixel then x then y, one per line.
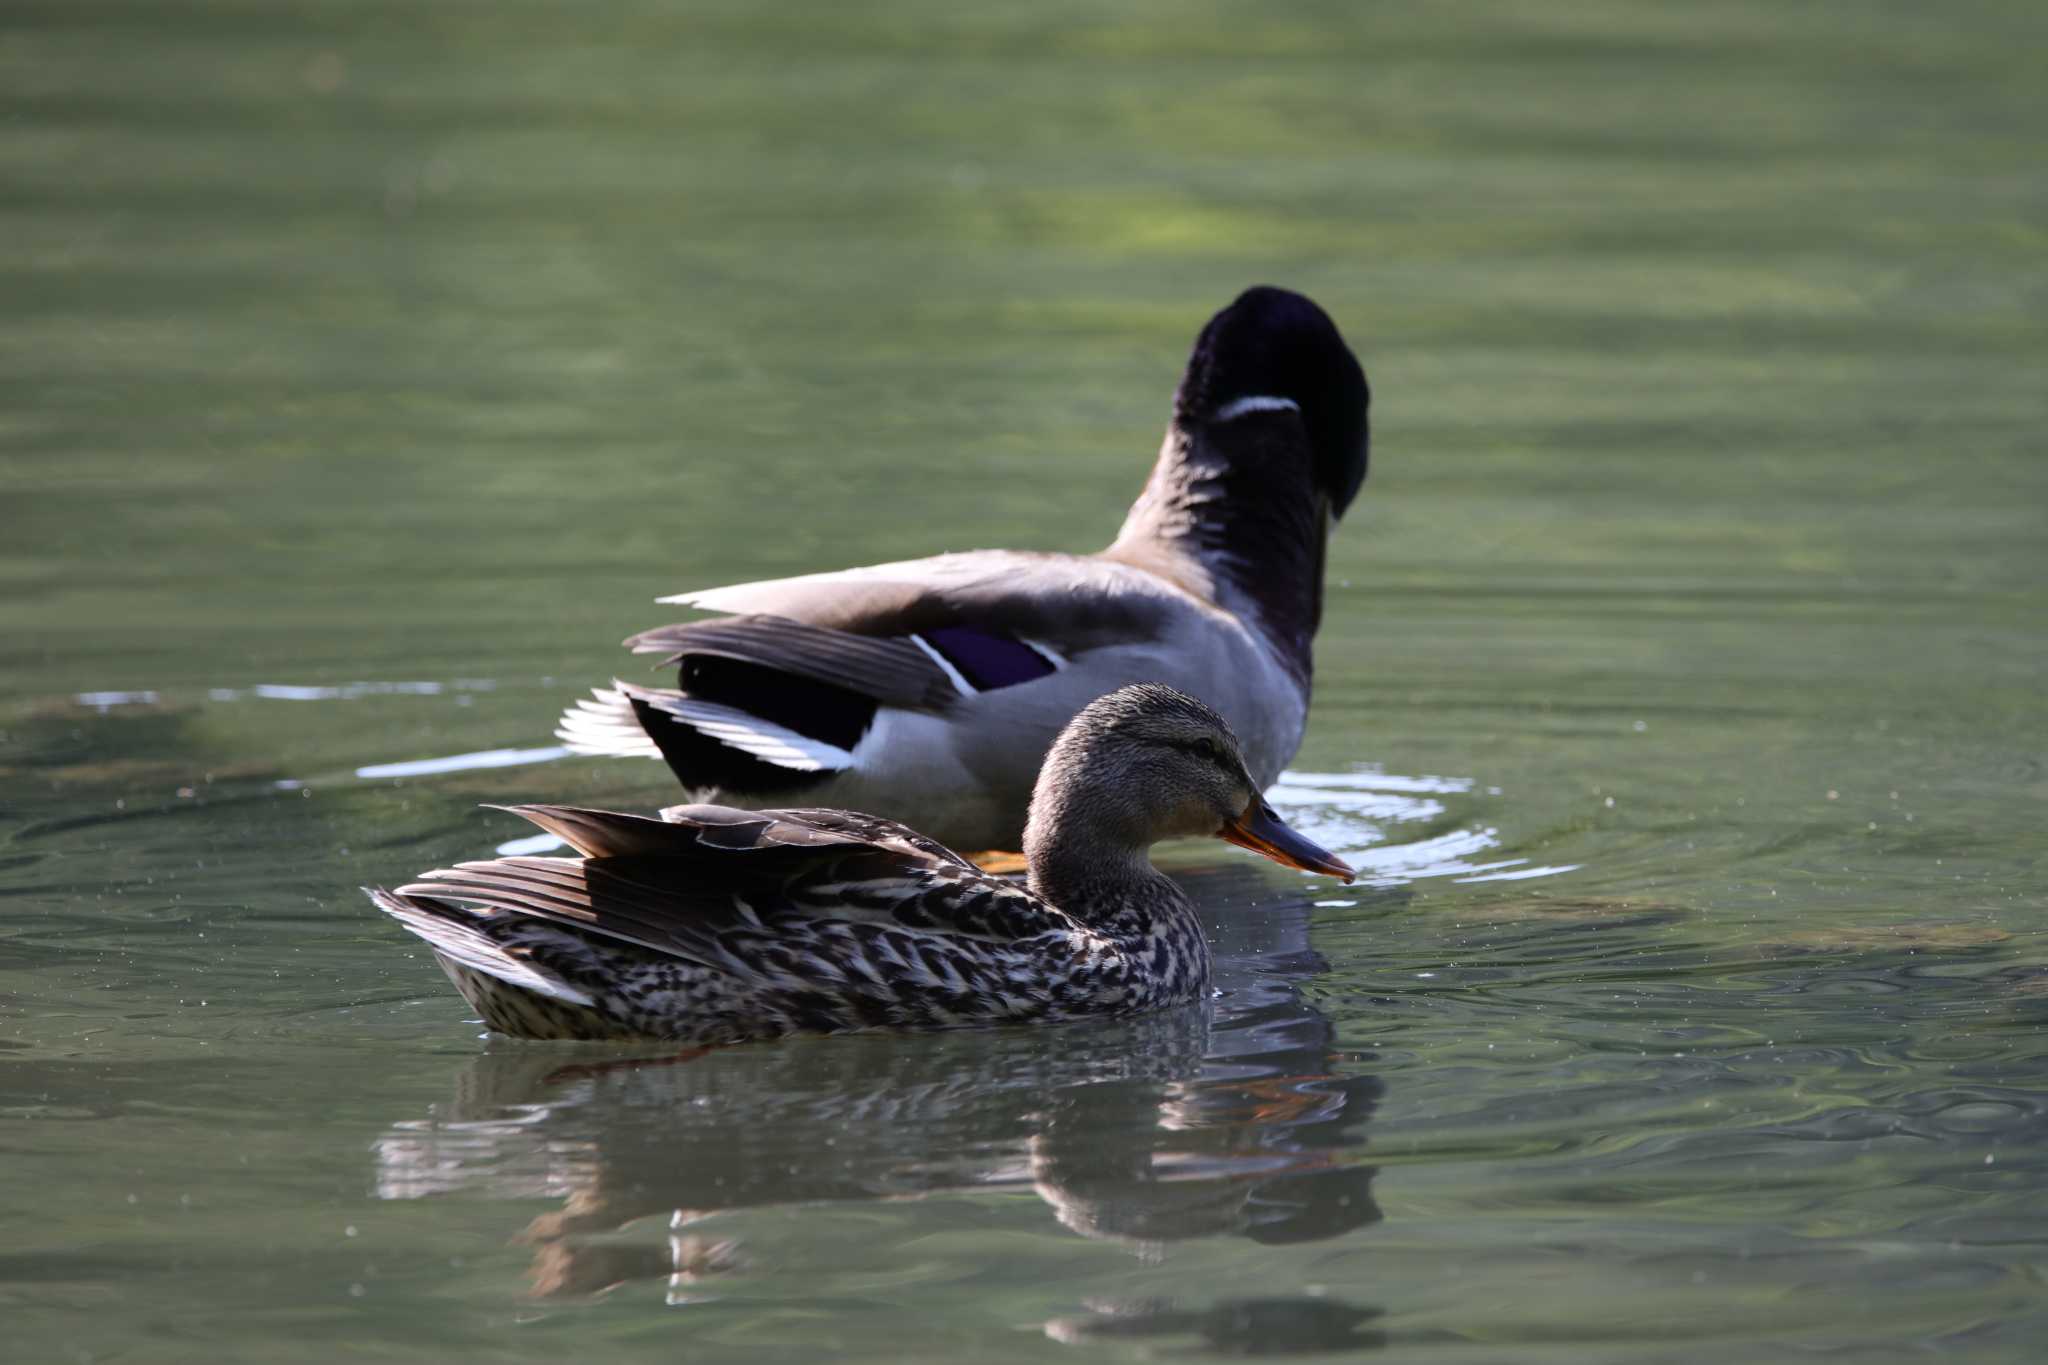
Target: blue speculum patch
pixel 988 660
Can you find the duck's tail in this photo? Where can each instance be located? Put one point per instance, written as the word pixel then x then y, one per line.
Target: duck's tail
pixel 605 725
pixel 711 746
pixel 464 945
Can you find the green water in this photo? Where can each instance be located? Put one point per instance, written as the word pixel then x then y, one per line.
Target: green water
pixel 1680 687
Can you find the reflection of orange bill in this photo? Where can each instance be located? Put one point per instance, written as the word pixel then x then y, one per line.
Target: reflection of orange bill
pixel 1261 831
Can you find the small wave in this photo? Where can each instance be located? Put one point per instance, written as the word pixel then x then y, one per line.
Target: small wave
pixel 455 763
pixel 1356 814
pixel 107 701
pixel 347 691
pixel 1374 780
pixel 530 844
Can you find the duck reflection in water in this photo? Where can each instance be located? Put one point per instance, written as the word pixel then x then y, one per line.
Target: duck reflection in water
pixel 1233 1116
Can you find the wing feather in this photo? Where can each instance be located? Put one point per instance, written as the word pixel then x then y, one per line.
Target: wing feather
pixel 1062 603
pixel 888 669
pixel 684 885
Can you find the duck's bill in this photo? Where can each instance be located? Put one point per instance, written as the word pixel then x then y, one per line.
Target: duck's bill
pixel 1261 831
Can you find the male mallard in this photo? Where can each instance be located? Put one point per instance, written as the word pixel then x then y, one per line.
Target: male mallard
pixel 928 690
pixel 716 925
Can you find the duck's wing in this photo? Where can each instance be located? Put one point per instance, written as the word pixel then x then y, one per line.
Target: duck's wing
pixel 1068 602
pixel 731 888
pixel 887 669
pixel 786 687
pixel 977 621
pixel 766 703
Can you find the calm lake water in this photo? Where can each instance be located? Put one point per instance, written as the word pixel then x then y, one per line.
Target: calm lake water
pixel 368 367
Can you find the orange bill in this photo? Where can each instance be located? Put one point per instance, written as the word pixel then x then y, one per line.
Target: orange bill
pixel 1261 831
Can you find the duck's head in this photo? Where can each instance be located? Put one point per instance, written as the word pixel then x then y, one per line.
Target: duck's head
pixel 1273 349
pixel 1147 763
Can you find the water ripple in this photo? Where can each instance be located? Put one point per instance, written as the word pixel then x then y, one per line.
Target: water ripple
pixel 1358 813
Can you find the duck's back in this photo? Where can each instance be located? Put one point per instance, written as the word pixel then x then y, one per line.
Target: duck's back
pixel 930 689
pixel 717 925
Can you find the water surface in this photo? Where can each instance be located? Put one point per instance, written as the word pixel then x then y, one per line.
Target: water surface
pixel 368 368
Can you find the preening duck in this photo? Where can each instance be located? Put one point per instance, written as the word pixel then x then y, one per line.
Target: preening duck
pixel 716 925
pixel 928 690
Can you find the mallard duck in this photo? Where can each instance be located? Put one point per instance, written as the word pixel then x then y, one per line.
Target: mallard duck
pixel 717 925
pixel 927 690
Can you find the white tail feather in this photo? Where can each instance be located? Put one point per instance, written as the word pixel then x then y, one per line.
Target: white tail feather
pixel 604 725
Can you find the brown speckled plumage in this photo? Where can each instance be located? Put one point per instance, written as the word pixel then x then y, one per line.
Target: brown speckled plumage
pixel 716 925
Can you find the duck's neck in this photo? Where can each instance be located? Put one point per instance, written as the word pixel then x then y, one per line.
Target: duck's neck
pixel 1088 858
pixel 1240 523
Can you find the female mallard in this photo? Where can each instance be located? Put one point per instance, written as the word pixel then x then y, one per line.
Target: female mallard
pixel 927 690
pixel 715 925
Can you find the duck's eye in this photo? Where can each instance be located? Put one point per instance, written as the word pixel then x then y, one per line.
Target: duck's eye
pixel 1209 749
